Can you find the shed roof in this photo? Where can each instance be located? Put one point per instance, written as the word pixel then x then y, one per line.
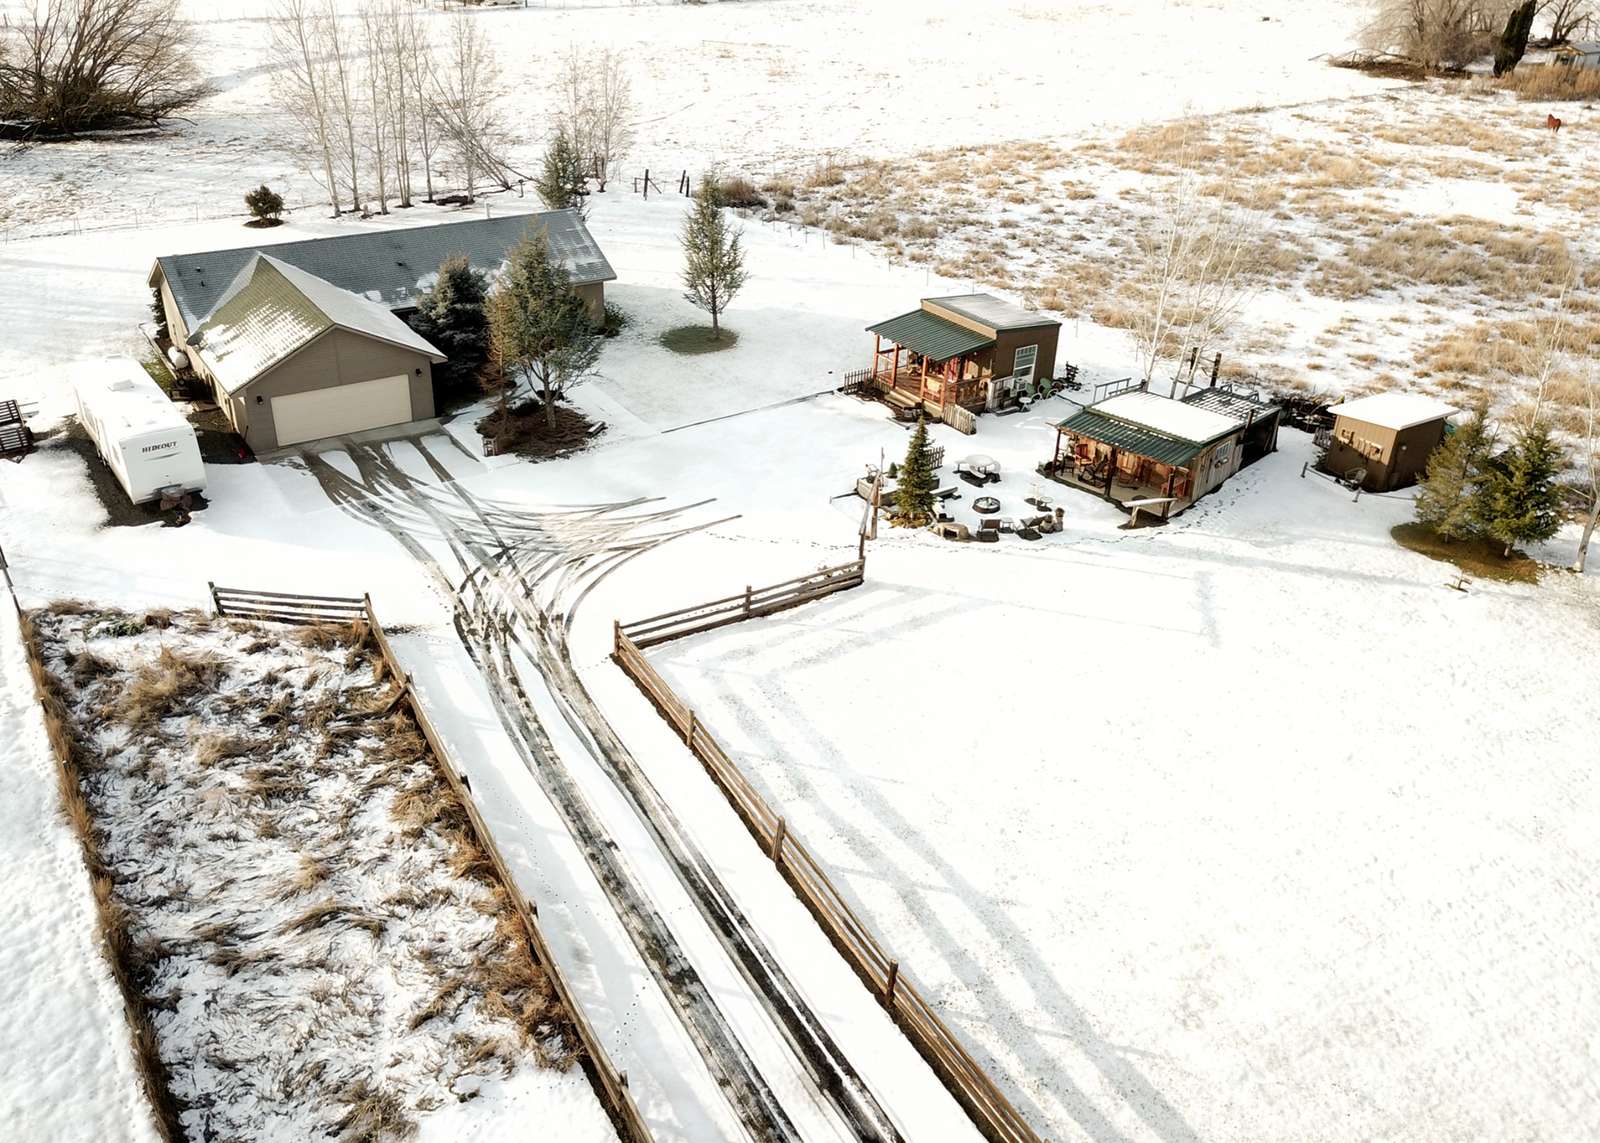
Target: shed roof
pixel 1395 411
pixel 271 309
pixel 1131 438
pixel 1167 416
pixel 930 335
pixel 993 312
pixel 1242 407
pixel 390 266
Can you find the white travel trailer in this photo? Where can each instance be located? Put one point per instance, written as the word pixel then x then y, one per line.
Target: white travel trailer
pixel 140 434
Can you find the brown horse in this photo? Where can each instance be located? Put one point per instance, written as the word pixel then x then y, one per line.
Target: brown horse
pixel 1552 124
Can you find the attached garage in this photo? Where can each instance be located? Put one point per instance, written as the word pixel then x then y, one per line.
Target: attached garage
pixel 292 358
pixel 342 409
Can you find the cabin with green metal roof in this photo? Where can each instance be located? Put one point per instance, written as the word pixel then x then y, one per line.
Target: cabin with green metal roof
pixel 956 356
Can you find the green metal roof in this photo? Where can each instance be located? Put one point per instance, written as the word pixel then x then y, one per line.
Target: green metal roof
pixel 933 337
pixel 1122 435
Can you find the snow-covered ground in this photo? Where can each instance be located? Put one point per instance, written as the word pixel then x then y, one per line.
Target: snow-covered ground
pixel 66 1057
pixel 755 84
pixel 1248 828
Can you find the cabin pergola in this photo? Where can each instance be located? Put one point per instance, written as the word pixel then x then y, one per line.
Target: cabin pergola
pixel 920 352
pixel 1103 451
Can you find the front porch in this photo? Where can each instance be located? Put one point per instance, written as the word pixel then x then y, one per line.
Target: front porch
pixel 1118 474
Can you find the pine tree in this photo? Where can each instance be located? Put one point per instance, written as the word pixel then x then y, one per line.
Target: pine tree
pixel 1520 501
pixel 562 184
pixel 451 314
pixel 266 204
pixel 914 494
pixel 1447 496
pixel 713 255
pixel 540 331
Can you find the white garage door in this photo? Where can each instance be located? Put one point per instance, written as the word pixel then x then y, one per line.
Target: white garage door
pixel 342 409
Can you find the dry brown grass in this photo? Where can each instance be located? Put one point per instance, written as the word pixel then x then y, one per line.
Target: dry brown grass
pixel 1551 83
pixel 162 687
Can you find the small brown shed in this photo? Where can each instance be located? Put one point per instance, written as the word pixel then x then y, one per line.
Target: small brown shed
pixel 1384 441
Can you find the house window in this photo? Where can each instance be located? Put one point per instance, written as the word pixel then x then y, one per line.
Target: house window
pixel 1022 370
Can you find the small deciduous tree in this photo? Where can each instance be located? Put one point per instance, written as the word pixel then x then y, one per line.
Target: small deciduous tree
pixel 913 495
pixel 1447 496
pixel 540 332
pixel 1520 499
pixel 466 92
pixel 713 255
pixel 1591 457
pixel 452 314
pixel 562 184
pixel 265 204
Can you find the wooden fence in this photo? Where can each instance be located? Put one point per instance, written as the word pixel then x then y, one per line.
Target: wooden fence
pixel 610 1085
pixel 754 602
pixel 242 603
pixel 988 1107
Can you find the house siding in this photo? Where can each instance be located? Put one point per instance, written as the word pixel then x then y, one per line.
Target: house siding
pixel 337 357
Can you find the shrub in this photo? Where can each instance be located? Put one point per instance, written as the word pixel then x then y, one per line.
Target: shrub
pixel 266 204
pixel 738 191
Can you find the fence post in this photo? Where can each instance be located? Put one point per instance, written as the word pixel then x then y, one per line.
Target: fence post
pixel 616 637
pixel 216 604
pixel 688 735
pixel 888 988
pixel 776 851
pixel 747 601
pixel 647 183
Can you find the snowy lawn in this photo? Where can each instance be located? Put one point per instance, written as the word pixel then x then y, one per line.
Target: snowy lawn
pixel 1247 828
pixel 320 943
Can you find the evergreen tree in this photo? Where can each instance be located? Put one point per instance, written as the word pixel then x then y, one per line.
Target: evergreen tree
pixel 266 204
pixel 713 255
pixel 1520 501
pixel 1447 498
pixel 918 478
pixel 562 184
pixel 451 315
pixel 540 331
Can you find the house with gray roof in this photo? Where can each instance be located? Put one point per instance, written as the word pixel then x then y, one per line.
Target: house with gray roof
pixel 305 340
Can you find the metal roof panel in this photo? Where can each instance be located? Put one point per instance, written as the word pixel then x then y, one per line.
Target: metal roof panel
pixel 930 335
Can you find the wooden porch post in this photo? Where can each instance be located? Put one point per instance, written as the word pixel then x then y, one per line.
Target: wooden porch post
pixel 894 366
pixel 877 353
pixel 1166 509
pixel 1111 470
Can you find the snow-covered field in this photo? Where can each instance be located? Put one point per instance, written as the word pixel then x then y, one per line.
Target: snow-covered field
pixel 758 84
pixel 1246 828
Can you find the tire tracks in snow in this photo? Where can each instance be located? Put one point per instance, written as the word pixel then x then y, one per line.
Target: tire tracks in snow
pixel 525 574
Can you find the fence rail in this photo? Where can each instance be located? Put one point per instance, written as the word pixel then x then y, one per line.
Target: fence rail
pixel 990 1110
pixel 753 602
pixel 610 1084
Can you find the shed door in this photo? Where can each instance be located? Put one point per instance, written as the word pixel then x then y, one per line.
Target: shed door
pixel 342 409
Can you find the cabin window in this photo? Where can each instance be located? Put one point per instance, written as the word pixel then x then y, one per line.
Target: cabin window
pixel 1022 370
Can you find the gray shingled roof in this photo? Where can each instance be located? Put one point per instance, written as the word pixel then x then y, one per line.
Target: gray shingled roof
pixel 388 266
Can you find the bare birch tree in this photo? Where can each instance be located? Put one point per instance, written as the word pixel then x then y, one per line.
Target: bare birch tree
pixel 300 83
pixel 593 102
pixel 1591 458
pixel 344 111
pixel 466 86
pixel 376 96
pixel 611 101
pixel 417 65
pixel 1195 261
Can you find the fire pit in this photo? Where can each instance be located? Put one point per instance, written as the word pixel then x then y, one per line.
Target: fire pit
pixel 986 505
